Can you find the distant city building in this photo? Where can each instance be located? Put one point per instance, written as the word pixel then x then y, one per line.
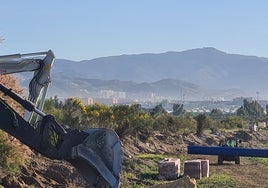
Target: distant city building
pixel 112 94
pixel 91 101
pixel 87 100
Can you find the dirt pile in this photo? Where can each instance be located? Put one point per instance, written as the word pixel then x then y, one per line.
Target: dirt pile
pixel 43 172
pixel 158 144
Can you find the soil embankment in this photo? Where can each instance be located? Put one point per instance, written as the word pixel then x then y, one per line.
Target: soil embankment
pixel 42 172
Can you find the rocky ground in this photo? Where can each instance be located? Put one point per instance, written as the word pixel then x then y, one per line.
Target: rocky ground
pixel 42 172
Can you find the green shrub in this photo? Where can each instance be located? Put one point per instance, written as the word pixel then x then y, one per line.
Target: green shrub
pixel 12 157
pixel 217 180
pixel 263 161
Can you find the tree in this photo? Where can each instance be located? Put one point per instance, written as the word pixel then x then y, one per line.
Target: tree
pixel 131 119
pixel 178 109
pixel 98 115
pixel 158 110
pixel 186 124
pixel 231 122
pixel 122 115
pixel 73 110
pixel 216 113
pixel 55 107
pixel 202 122
pixel 163 123
pixel 252 110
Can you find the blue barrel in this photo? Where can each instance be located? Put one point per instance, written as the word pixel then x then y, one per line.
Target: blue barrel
pixel 214 150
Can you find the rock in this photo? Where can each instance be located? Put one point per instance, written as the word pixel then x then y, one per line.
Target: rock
pixel 184 182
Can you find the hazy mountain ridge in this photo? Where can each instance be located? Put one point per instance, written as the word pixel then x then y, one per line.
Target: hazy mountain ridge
pixel 67 86
pixel 191 65
pixel 197 73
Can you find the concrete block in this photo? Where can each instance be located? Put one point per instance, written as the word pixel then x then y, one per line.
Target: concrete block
pixel 169 169
pixel 192 168
pixel 204 167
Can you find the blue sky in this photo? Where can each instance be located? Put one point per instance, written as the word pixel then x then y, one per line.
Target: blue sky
pixel 85 29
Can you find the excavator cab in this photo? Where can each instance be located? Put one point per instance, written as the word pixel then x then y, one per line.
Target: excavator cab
pixel 95 152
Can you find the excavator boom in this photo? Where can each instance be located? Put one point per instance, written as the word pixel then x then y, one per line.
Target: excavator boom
pixel 28 62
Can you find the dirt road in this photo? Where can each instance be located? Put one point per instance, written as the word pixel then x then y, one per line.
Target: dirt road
pixel 248 174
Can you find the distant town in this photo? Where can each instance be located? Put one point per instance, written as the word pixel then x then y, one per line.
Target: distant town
pixel 150 100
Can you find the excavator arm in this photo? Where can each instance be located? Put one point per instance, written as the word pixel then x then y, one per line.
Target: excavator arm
pixel 39 84
pixel 96 152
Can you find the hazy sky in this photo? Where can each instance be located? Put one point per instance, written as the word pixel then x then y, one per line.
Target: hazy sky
pixel 85 29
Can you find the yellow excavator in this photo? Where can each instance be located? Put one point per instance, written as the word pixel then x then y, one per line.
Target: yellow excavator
pixel 95 152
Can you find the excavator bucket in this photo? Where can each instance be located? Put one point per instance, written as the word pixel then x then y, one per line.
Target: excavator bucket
pixel 99 157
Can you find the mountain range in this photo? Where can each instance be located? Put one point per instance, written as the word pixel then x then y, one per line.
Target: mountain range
pixel 196 74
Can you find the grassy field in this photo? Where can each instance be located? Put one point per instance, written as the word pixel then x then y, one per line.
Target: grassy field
pixel 142 171
pixel 141 164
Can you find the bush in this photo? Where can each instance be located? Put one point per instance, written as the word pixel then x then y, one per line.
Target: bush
pixel 12 157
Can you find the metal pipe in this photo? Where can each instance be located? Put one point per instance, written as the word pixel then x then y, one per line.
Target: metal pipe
pixel 214 150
